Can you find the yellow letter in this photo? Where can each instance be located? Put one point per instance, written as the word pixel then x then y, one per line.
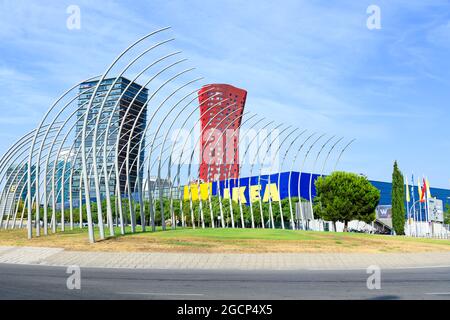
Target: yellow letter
pixel 226 193
pixel 205 189
pixel 254 193
pixel 238 194
pixel 193 192
pixel 272 190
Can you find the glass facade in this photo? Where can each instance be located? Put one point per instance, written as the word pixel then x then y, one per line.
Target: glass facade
pixel 16 188
pixel 124 107
pixel 59 181
pixel 18 179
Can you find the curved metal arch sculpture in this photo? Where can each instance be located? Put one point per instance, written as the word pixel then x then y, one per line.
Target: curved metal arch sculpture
pixel 67 157
pixel 229 168
pixel 209 167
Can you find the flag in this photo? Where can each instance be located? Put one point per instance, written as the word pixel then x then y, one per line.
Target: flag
pixel 421 191
pixel 428 188
pixel 408 198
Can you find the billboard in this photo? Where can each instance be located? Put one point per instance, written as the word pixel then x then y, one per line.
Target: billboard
pixel 436 210
pixel 384 212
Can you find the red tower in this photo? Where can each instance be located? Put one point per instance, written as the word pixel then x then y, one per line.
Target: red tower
pixel 221 109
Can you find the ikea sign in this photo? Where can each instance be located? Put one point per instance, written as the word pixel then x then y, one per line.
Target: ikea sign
pixel 274 187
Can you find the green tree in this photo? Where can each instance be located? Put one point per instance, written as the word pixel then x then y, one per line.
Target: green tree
pixel 447 214
pixel 398 201
pixel 344 197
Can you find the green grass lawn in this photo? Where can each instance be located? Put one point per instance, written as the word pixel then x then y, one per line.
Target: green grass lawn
pixel 237 234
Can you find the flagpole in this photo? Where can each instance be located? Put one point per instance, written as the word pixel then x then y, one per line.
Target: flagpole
pixel 430 223
pixel 419 189
pixel 426 205
pixel 414 204
pixel 427 213
pixel 407 206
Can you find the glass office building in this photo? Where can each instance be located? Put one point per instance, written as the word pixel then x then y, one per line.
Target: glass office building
pixel 16 188
pixel 124 107
pixel 17 180
pixel 62 176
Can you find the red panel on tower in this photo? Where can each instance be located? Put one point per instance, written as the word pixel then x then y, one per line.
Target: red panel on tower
pixel 221 109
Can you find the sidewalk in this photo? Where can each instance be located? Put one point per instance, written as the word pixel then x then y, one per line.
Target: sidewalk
pixel 189 261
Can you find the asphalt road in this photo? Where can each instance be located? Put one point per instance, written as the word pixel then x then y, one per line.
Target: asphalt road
pixel 40 282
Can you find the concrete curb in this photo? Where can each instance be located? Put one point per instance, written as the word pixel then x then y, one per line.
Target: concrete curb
pixel 194 261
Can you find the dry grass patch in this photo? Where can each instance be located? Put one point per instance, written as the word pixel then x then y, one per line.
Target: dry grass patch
pixel 229 241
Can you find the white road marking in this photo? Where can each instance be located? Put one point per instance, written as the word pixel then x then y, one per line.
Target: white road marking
pixel 361 268
pixel 439 293
pixel 160 294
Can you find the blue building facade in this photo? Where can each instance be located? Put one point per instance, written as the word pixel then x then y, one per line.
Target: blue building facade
pixel 285 184
pixel 420 208
pixel 277 186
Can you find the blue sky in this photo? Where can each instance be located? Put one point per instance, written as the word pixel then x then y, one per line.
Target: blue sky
pixel 311 64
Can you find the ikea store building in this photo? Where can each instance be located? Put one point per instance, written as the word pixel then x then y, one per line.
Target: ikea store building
pixel 280 186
